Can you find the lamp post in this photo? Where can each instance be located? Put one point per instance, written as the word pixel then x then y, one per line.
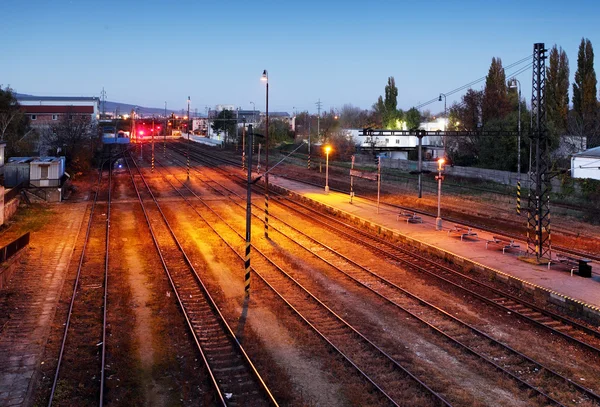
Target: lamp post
pixel 445 125
pixel 165 133
pixel 439 178
pixel 265 78
pixel 253 112
pixel 514 83
pixel 327 150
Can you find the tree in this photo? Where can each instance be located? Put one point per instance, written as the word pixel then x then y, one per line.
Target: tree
pixel 352 117
pixel 495 96
pixel 72 136
pixel 225 122
pixel 584 119
pixel 385 110
pixel 584 87
pixel 467 114
pixel 391 103
pixel 413 118
pixel 557 90
pixel 14 125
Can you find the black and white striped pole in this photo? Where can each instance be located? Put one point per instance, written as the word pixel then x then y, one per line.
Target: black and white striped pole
pixel 352 180
pixel 265 78
pixel 152 165
pixel 514 83
pixel 248 214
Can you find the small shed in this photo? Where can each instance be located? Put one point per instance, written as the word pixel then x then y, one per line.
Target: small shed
pixel 47 171
pixel 586 164
pixel 16 171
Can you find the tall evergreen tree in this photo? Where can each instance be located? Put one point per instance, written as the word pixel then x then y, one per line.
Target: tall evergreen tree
pixel 495 95
pixel 390 103
pixel 584 87
pixel 557 90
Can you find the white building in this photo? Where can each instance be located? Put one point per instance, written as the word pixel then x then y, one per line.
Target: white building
pixel 396 144
pixel 586 164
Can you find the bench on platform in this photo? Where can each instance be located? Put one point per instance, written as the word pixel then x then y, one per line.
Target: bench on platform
pixel 575 263
pixel 506 244
pixel 462 231
pixel 410 217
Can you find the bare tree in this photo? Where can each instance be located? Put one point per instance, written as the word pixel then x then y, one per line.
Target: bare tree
pixel 73 135
pixel 6 118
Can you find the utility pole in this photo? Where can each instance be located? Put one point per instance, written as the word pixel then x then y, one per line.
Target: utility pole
pixel 319 118
pixel 538 208
pixel 103 96
pixel 165 134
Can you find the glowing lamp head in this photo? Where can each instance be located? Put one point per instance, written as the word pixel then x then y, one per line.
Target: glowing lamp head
pixel 327 149
pixel 265 76
pixel 141 132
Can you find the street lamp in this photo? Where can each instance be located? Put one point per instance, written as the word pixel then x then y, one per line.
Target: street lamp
pixel 439 178
pixel 327 150
pixel 253 112
pixel 514 83
pixel 445 125
pixel 265 78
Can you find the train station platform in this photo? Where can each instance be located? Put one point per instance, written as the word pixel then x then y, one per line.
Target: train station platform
pixel 468 247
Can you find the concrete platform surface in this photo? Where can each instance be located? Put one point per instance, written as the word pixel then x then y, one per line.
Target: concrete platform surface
pixel 557 280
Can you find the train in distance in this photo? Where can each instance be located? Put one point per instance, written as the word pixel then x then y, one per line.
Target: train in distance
pixel 111 136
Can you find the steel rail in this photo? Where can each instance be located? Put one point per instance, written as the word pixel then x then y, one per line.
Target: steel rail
pixel 346 357
pixel 520 381
pixel 76 285
pixel 502 296
pixel 218 382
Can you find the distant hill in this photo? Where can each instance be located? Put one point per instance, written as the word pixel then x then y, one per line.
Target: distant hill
pixel 126 108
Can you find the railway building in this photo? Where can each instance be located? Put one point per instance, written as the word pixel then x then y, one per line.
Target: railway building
pixel 586 164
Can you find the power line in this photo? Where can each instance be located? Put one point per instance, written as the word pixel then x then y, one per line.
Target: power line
pixel 468 85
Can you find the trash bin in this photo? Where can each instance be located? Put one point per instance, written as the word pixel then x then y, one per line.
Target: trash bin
pixel 585 269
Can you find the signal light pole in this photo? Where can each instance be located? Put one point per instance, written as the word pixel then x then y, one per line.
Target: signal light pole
pixel 327 150
pixel 439 178
pixel 188 137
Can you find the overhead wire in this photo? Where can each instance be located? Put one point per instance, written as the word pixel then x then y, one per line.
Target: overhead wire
pixel 468 85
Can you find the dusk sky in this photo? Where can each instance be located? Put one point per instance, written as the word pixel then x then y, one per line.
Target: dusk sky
pixel 149 52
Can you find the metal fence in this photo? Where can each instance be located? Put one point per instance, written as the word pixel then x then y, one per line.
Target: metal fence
pixel 13 247
pixel 13 192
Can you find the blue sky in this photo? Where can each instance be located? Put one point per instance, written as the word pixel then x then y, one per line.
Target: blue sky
pixel 149 52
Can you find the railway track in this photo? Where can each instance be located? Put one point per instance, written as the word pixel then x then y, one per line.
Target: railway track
pixel 86 334
pixel 556 248
pixel 370 361
pixel 236 381
pixel 516 365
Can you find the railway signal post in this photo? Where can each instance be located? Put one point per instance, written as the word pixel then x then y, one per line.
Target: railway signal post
pixel 439 178
pixel 248 215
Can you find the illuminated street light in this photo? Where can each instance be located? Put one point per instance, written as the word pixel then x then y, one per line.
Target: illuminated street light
pixel 439 178
pixel 327 150
pixel 265 78
pixel 446 124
